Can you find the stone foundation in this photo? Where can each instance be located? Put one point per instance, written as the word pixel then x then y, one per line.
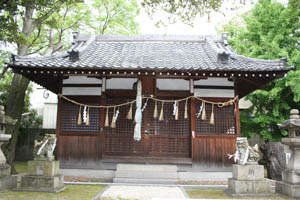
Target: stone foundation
pixel 288 189
pixel 7 182
pixel 290 184
pixel 248 181
pixel 42 183
pixel 42 176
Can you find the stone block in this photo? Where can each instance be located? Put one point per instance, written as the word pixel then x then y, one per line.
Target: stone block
pixel 152 168
pixel 291 176
pixel 249 187
pixel 42 183
pixel 248 172
pixel 43 168
pixel 4 170
pixel 288 189
pixel 8 183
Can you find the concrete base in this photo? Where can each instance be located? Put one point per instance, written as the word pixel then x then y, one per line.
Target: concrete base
pixel 248 181
pixel 248 172
pixel 52 184
pixel 288 189
pixel 43 168
pixel 291 176
pixel 146 174
pixel 249 187
pixel 8 183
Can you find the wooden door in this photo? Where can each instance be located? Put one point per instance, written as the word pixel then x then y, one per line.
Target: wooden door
pixel 213 142
pixel 167 137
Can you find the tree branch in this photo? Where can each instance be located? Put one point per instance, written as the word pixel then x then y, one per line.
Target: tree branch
pixel 48 14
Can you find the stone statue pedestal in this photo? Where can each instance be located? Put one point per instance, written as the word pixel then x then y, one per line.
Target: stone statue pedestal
pixel 290 184
pixel 42 176
pixel 7 182
pixel 248 181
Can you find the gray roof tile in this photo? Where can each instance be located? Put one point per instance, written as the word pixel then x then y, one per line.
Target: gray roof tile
pixel 151 52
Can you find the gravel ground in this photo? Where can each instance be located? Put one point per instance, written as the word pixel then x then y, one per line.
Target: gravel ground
pixel 142 192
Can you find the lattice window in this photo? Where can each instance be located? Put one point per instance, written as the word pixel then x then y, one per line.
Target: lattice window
pixel 123 125
pixel 169 126
pixel 224 120
pixel 69 116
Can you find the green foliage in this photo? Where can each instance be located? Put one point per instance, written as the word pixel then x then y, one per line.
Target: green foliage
pixel 269 31
pixel 111 17
pixel 186 10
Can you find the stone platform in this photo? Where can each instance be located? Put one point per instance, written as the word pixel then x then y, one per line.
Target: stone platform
pixel 248 181
pixel 42 176
pixel 7 181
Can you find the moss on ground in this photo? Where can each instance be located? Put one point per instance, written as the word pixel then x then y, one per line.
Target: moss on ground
pixel 218 193
pixel 21 167
pixel 73 192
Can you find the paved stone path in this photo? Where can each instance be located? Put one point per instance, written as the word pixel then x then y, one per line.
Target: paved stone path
pixel 143 192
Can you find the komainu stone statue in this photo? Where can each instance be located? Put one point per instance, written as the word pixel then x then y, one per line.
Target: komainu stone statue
pixel 43 150
pixel 245 154
pixel 247 176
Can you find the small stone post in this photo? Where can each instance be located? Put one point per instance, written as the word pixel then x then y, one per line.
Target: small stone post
pixel 7 181
pixel 247 176
pixel 290 184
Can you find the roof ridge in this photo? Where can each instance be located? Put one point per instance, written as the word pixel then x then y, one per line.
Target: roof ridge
pixel 152 37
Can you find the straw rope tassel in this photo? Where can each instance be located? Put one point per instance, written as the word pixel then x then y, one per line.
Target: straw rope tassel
pixel 234 112
pixel 106 119
pixel 177 108
pixel 129 115
pixel 185 109
pixel 203 116
pixel 113 120
pixel 88 117
pixel 161 116
pixel 155 113
pixel 212 116
pixel 79 120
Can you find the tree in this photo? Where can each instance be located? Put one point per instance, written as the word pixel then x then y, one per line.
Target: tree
pixel 187 10
pixel 41 27
pixel 111 17
pixel 269 31
pixel 21 20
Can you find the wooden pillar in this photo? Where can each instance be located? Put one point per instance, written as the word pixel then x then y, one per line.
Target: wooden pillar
pixel 237 118
pixel 148 87
pixel 58 124
pixel 193 125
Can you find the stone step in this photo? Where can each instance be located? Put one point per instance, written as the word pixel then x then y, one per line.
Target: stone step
pixel 146 174
pixel 143 168
pixel 144 181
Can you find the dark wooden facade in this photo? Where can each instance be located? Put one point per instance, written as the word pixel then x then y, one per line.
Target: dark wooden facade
pixel 169 141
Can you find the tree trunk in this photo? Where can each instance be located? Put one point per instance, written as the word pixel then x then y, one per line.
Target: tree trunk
pixel 14 108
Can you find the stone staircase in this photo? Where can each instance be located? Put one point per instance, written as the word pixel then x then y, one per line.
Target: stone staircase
pixel 146 174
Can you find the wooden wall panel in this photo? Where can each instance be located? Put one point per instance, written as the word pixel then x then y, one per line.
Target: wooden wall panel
pixel 211 151
pixel 79 148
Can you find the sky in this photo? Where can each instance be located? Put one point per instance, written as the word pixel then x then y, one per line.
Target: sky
pixel 202 26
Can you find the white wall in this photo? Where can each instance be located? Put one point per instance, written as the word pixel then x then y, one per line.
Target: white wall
pixel 226 93
pixel 50 115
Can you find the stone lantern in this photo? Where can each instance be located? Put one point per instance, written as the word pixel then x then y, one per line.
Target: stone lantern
pixel 290 184
pixel 6 180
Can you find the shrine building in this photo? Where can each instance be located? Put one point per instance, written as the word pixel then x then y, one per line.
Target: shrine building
pixel 189 88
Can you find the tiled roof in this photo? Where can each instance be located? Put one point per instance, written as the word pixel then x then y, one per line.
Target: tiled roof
pixel 151 52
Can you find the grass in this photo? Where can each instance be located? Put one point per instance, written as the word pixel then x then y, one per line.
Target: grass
pixel 207 193
pixel 73 192
pixel 21 167
pixel 217 193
